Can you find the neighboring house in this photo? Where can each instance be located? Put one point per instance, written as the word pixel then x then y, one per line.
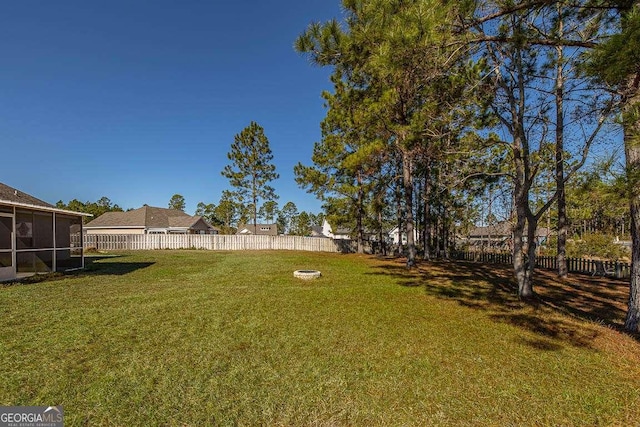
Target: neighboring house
pixel 258 229
pixel 37 237
pixel 327 231
pixel 496 236
pixel 542 236
pixel 394 236
pixel 149 220
pixel 499 236
pixel 317 231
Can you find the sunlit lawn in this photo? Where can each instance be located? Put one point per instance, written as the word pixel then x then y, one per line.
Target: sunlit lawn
pixel 205 338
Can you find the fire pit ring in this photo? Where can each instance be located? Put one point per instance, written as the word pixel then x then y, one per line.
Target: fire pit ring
pixel 307 274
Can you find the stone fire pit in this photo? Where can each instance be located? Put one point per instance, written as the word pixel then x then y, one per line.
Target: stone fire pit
pixel 306 274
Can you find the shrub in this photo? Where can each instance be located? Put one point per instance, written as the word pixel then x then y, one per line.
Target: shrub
pixel 590 245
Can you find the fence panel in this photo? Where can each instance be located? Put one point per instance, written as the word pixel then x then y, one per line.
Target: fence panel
pixel 210 242
pixel 575 265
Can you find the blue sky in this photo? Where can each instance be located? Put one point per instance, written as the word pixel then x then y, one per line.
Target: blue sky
pixel 139 100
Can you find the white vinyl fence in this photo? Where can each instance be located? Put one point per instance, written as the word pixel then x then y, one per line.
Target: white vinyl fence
pixel 210 242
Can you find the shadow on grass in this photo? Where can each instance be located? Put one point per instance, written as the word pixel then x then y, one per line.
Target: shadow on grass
pixel 93 267
pixel 492 289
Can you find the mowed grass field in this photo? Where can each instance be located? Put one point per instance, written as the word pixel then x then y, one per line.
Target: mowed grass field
pixel 195 338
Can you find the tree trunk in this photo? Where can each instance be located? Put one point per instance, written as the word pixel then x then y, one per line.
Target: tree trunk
pixel 632 321
pixel 381 238
pixel 359 216
pixel 407 180
pixel 532 226
pixel 427 217
pixel 521 265
pixel 418 220
pixel 255 207
pixel 400 216
pixel 563 229
pixel 445 233
pixel 631 124
pixel 519 261
pixel 560 179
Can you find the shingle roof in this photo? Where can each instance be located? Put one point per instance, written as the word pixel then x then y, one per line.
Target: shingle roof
pixel 499 229
pixel 10 194
pixel 146 216
pixel 135 218
pixel 183 221
pixel 259 229
pixel 503 229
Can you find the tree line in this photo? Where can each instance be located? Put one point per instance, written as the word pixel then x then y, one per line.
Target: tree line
pixel 434 103
pixel 228 214
pixel 97 208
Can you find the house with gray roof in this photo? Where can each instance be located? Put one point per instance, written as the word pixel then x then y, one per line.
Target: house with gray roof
pixel 149 220
pixel 37 237
pixel 258 229
pixel 500 235
pixel 326 230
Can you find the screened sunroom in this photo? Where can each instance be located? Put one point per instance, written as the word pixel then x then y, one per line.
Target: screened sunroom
pixel 36 237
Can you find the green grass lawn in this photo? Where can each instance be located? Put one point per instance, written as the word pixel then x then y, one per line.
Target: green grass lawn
pixel 205 338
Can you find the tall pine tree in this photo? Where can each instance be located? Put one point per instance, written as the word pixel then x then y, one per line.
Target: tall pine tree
pixel 251 170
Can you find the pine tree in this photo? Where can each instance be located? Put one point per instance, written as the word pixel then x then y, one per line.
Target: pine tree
pixel 208 212
pixel 269 211
pixel 228 212
pixel 286 217
pixel 177 202
pixel 617 62
pixel 387 64
pixel 251 170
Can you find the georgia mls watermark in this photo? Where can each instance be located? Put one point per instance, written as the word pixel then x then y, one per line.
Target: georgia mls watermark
pixel 31 416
